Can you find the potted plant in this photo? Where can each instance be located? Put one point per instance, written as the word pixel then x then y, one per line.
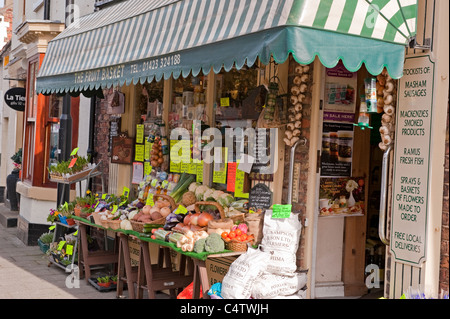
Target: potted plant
pixel 104 282
pixel 84 206
pixel 44 241
pixel 114 280
pixel 65 213
pixel 68 170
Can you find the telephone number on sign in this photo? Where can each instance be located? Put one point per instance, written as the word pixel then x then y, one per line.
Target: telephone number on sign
pixel 161 63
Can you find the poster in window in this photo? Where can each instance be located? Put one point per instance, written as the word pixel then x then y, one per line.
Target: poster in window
pixel 337 149
pixel 341 196
pixel 340 94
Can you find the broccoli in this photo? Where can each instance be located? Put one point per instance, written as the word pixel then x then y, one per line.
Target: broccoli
pixel 214 243
pixel 199 245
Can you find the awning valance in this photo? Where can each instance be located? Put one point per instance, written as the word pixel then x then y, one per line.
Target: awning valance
pixel 137 41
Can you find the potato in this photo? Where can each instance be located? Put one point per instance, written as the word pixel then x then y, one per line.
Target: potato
pixel 155 215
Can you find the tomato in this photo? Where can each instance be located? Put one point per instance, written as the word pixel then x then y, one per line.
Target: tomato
pixel 238 232
pixel 238 238
pixel 224 235
pixel 244 237
pixel 227 239
pixel 232 234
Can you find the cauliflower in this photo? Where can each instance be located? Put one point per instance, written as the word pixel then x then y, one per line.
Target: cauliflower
pixel 193 186
pixel 214 243
pixel 216 194
pixel 208 194
pixel 199 191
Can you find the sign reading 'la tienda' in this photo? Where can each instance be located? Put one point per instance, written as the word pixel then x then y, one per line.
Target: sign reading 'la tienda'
pixel 15 99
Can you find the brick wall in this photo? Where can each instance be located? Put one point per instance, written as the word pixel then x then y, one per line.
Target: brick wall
pixel 101 143
pixel 302 157
pixel 444 271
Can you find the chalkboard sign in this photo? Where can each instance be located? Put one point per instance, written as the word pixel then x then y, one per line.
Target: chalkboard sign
pixel 260 198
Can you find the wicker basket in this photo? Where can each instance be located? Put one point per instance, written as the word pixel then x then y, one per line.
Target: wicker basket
pixel 166 197
pixel 137 226
pixel 114 224
pixel 235 245
pixel 104 223
pixel 237 218
pixel 97 219
pixel 218 206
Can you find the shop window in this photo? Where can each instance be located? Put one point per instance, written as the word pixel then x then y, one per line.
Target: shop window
pixel 238 102
pixel 29 150
pixel 189 102
pixel 52 129
pixel 30 122
pixel 41 132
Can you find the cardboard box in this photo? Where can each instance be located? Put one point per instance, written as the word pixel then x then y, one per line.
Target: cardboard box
pixel 217 268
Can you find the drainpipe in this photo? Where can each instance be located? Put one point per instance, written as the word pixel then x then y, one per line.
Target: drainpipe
pixel 91 142
pixel 65 129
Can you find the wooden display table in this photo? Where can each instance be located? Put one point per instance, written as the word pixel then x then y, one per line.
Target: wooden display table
pixel 87 259
pixel 157 277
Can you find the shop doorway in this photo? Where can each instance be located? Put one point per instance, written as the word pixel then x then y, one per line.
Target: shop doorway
pixel 349 256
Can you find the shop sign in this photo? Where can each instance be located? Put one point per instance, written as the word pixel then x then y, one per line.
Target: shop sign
pixel 411 162
pixel 15 99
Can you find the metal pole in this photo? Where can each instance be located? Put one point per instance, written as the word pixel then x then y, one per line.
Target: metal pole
pixel 65 128
pixel 383 197
pixel 65 145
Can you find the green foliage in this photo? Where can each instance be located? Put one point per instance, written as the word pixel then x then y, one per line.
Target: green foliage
pixel 63 167
pixel 104 279
pixel 46 238
pixel 17 157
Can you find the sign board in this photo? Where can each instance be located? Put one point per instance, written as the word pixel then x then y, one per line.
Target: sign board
pixel 260 198
pixel 411 163
pixel 122 150
pixel 15 99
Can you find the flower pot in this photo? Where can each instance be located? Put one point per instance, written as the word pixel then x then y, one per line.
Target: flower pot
pixel 104 284
pixel 70 221
pixel 77 211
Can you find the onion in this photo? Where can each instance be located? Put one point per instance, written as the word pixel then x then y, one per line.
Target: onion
pixel 146 209
pixel 203 219
pixel 187 219
pixel 165 211
pixel 194 219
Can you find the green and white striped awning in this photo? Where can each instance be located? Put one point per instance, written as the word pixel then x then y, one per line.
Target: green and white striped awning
pixel 137 41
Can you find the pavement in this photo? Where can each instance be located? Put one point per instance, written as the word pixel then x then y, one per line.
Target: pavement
pixel 25 273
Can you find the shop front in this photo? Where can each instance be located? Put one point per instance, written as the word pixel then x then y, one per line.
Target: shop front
pixel 273 112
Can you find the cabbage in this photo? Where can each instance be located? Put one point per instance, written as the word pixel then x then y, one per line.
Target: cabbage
pixel 225 199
